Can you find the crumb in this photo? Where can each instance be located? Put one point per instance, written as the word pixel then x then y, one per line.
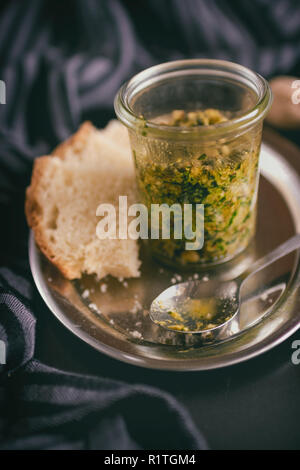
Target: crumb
pixel 85 294
pixel 196 276
pixel 103 288
pixel 205 278
pixel 94 307
pixel 138 323
pixel 178 277
pixel 125 284
pixel 50 279
pixel 264 297
pixel 111 321
pixel 136 307
pixel 136 334
pixel 173 280
pixel 121 279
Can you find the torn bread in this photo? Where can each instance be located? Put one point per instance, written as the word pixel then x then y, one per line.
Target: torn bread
pixel 90 168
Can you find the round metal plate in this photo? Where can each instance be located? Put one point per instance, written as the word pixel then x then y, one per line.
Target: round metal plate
pixel 112 315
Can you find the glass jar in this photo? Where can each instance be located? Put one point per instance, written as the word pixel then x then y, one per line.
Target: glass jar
pixel 195 128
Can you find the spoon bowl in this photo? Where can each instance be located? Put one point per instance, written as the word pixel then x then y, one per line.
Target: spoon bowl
pixel 210 308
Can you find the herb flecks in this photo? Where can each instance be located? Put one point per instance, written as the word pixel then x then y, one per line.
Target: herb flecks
pixel 222 177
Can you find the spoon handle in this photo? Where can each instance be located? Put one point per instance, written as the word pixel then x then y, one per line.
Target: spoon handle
pixel 284 249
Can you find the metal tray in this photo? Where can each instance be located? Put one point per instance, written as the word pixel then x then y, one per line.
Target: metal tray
pixel 112 315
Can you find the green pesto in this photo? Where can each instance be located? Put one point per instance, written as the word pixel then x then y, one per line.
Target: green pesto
pixel 224 179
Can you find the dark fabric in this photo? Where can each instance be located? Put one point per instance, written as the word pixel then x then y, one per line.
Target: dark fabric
pixel 62 63
pixel 45 408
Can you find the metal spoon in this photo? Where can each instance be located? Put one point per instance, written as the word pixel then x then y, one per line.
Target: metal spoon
pixel 210 308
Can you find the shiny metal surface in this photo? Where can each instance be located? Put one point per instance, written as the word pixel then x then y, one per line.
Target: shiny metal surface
pixel 184 307
pixel 113 316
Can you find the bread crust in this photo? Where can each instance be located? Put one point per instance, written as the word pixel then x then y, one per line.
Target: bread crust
pixel 76 142
pixel 33 210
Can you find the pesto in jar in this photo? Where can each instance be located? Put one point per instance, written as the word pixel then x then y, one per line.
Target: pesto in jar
pixel 222 176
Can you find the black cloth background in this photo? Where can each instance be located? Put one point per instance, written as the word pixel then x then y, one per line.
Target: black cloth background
pixel 62 63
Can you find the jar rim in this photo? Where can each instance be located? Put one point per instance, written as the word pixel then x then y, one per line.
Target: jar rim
pixel 159 72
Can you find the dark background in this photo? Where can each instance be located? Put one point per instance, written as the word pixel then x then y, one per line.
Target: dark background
pixel 63 62
pixel 253 405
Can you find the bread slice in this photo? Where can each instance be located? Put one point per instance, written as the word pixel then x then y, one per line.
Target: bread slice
pixel 90 168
